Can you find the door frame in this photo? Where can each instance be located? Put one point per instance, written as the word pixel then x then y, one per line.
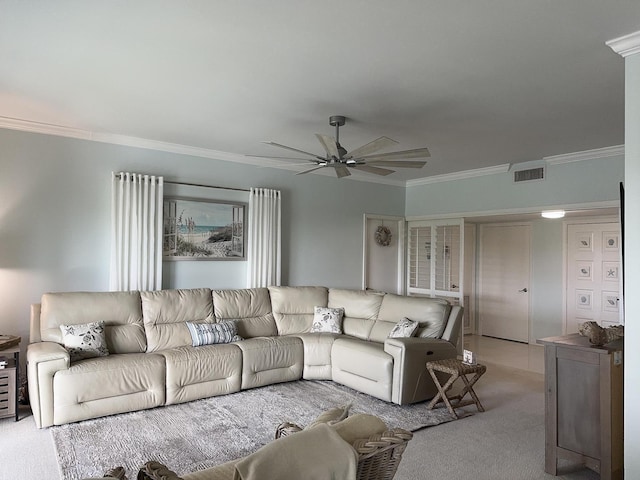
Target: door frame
pixel 480 267
pixel 565 254
pixel 402 241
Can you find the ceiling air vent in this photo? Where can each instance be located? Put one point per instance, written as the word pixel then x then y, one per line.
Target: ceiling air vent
pixel 529 175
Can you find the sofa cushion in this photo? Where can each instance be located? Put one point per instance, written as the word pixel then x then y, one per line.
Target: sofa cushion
pixel 86 340
pixel 108 385
pixel 250 308
pixel 166 311
pixel 430 313
pixel 327 320
pixel 360 310
pixel 317 355
pixel 363 366
pixel 212 333
pixel 405 328
pixel 293 307
pixel 121 313
pixel 202 372
pixel 267 360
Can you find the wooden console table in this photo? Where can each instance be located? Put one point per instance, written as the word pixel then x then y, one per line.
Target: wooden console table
pixel 10 382
pixel 584 404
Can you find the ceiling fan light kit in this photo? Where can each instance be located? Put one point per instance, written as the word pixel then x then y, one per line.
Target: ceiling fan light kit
pixel 363 158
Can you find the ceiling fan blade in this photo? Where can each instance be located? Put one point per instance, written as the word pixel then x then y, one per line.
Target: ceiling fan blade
pixel 398 163
pixel 273 157
pixel 374 170
pixel 377 144
pixel 293 149
pixel 310 170
pixel 342 171
pixel 329 145
pixel 417 153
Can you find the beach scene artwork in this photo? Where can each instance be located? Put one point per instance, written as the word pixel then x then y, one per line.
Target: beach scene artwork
pixel 203 230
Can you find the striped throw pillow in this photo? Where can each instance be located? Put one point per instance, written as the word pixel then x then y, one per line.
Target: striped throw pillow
pixel 210 333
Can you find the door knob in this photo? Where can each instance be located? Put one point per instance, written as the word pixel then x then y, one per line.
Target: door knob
pixel 524 290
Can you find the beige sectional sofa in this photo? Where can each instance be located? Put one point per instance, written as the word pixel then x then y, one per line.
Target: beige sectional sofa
pixel 152 362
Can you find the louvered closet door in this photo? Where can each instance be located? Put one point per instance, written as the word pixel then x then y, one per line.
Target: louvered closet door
pixel 435 259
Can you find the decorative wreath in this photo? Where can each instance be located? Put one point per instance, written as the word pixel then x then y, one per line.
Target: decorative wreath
pixel 383 236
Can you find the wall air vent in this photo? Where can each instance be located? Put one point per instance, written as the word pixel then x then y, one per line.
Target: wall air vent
pixel 529 175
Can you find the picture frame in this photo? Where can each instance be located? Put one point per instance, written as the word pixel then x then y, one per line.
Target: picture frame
pixel 584 270
pixel 197 229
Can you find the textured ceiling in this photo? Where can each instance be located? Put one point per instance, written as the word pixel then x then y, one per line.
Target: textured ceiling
pixel 480 83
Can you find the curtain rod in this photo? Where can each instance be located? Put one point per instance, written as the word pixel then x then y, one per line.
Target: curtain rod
pixel 186 184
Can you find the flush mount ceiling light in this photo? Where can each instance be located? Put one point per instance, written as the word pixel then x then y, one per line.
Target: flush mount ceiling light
pixel 553 214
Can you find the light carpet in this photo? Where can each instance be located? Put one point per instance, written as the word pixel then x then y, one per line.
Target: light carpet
pixel 199 434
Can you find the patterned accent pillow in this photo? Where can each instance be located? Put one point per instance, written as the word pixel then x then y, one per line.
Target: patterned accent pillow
pixel 327 320
pixel 405 328
pixel 210 333
pixel 84 341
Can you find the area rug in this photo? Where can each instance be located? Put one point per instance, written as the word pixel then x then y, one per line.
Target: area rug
pixel 203 433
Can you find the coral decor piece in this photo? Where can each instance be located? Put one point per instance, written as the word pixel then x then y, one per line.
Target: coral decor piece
pixel 599 336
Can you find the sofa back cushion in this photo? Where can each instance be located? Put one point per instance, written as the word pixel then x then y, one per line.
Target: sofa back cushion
pixel 165 312
pixel 249 308
pixel 360 310
pixel 120 311
pixel 431 313
pixel 293 307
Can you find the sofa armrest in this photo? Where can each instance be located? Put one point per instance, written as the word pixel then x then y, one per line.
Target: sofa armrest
pixel 44 359
pixel 411 382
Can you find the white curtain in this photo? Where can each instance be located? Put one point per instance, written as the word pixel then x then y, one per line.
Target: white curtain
pixel 136 232
pixel 263 252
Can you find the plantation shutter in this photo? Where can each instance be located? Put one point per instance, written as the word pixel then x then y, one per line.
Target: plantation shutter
pixel 436 259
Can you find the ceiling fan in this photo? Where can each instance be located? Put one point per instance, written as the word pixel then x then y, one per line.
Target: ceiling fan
pixel 362 158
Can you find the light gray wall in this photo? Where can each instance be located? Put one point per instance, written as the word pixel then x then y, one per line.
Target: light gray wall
pixel 583 182
pixel 55 214
pixel 586 181
pixel 631 262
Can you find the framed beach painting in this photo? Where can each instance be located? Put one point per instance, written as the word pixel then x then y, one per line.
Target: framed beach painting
pixel 196 229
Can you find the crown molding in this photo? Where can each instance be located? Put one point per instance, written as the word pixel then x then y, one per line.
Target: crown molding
pixel 596 153
pixel 137 142
pixel 449 177
pixel 625 45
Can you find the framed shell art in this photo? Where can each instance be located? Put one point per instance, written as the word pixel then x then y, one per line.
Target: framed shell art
pixel 197 229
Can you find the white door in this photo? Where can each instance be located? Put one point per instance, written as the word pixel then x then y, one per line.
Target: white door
pixel 593 274
pixel 383 246
pixel 504 281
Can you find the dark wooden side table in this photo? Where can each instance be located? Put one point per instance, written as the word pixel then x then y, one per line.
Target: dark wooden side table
pixel 10 382
pixel 456 369
pixel 584 417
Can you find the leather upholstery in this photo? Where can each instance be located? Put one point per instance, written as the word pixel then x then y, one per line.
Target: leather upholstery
pixel 431 313
pixel 293 307
pixel 201 372
pixel 278 347
pixel 106 385
pixel 360 310
pixel 317 355
pixel 267 360
pixel 166 311
pixel 120 311
pixel 364 366
pixel 250 308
